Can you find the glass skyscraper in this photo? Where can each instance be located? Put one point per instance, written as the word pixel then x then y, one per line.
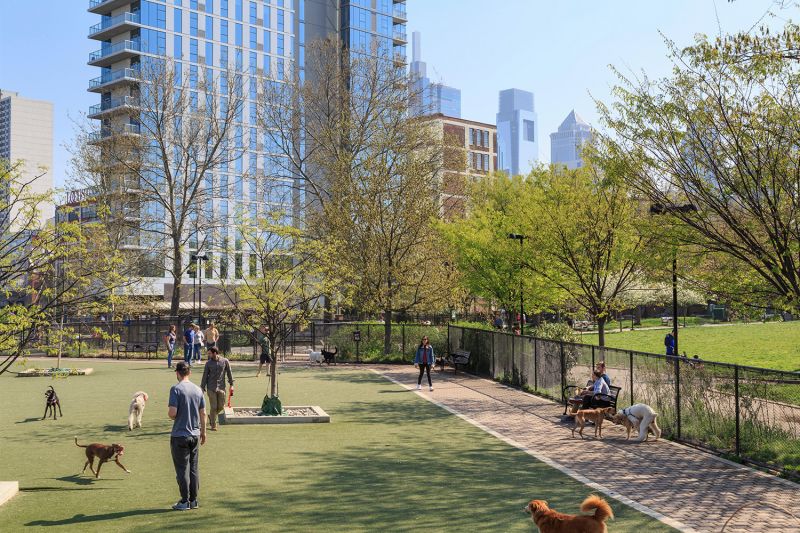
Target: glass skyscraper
pixel 517 132
pixel 566 143
pixel 430 98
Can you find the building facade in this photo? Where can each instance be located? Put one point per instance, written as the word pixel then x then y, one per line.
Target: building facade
pixel 430 98
pixel 26 135
pixel 566 143
pixel 517 132
pixel 470 154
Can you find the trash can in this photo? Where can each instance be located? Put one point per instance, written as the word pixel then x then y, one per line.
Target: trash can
pixel 224 345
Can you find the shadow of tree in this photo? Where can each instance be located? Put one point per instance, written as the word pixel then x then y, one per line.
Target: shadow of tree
pixel 81 518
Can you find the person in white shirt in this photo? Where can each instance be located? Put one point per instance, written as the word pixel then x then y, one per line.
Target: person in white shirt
pixel 199 342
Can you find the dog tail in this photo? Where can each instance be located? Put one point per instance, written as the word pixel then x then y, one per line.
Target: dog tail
pixel 602 510
pixel 79 445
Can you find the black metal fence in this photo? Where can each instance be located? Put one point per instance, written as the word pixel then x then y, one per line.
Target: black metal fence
pixel 745 413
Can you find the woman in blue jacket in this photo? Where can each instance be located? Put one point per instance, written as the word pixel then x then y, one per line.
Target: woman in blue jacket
pixel 424 360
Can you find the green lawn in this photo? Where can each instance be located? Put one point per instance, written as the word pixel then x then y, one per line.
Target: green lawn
pixel 770 345
pixel 385 463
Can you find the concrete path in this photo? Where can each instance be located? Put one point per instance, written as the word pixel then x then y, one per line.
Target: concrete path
pixel 688 489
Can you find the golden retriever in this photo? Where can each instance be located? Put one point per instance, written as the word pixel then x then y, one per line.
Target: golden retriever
pixel 550 521
pixel 595 415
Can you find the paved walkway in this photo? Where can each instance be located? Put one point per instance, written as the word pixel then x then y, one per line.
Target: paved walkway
pixel 685 488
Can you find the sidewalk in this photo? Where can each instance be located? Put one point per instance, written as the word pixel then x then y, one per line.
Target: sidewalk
pixel 685 488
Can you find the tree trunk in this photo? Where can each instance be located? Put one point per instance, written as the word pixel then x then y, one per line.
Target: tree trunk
pixel 174 305
pixel 601 331
pixel 273 369
pixel 387 331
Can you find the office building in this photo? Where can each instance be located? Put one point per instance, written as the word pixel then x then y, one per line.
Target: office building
pixel 517 132
pixel 430 98
pixel 470 154
pixel 26 136
pixel 566 143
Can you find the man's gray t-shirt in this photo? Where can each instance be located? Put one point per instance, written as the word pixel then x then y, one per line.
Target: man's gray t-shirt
pixel 188 399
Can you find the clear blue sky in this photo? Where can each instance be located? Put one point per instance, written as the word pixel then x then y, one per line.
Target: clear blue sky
pixel 559 49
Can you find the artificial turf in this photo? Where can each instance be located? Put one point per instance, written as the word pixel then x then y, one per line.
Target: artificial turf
pixel 769 345
pixel 388 461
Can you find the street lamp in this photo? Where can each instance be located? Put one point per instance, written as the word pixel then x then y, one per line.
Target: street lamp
pixel 198 274
pixel 662 209
pixel 520 238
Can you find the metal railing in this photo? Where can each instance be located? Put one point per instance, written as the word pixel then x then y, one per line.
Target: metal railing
pixel 114 75
pixel 108 22
pixel 747 413
pixel 113 103
pixel 133 46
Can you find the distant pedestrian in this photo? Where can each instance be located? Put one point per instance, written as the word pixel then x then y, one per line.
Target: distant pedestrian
pixel 213 383
pixel 669 343
pixel 498 322
pixel 199 342
pixel 212 336
pixel 169 340
pixel 188 410
pixel 188 344
pixel 424 360
pixel 262 336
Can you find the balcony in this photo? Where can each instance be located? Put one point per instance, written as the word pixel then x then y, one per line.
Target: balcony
pixel 107 133
pixel 113 106
pixel 105 7
pixel 399 36
pixel 109 55
pixel 399 13
pixel 113 78
pixel 111 26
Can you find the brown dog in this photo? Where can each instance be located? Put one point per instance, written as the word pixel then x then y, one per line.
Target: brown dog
pixel 104 452
pixel 550 521
pixel 595 415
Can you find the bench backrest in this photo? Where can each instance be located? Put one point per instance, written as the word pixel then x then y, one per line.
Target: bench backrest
pixel 614 391
pixel 461 353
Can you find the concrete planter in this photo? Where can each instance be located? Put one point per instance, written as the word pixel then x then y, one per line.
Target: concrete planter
pixel 303 414
pixel 54 372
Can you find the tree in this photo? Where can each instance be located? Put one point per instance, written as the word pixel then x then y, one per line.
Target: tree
pixel 369 174
pixel 489 263
pixel 155 171
pixel 44 271
pixel 284 279
pixel 585 235
pixel 721 134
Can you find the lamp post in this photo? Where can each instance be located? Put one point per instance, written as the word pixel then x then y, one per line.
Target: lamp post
pixel 520 238
pixel 661 209
pixel 198 257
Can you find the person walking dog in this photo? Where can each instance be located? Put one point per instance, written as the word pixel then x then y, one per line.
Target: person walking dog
pixel 213 383
pixel 424 360
pixel 187 409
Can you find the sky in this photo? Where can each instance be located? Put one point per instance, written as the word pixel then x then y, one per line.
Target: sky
pixel 558 49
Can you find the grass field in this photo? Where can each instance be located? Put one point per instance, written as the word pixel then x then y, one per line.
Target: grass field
pixel 386 462
pixel 770 345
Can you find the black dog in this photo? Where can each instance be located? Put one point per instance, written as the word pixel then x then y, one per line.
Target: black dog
pixel 328 356
pixel 51 402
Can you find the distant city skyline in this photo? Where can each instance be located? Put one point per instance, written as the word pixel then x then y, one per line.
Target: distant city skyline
pixel 558 50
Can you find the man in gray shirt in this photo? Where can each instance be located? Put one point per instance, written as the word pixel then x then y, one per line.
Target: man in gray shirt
pixel 213 382
pixel 188 410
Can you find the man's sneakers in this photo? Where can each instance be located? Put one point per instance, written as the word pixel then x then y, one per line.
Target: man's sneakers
pixel 181 506
pixel 430 388
pixel 419 387
pixel 193 504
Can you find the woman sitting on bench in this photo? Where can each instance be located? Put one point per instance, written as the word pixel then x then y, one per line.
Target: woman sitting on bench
pixel 599 387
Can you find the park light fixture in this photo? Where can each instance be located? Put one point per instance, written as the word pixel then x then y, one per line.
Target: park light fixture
pixel 520 238
pixel 198 257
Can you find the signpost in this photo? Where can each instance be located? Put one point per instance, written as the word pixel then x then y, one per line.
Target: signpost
pixel 357 340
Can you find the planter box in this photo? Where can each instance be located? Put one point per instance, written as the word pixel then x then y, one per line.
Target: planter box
pixel 51 372
pixel 303 414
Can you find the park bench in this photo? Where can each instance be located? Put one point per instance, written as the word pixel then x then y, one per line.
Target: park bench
pixel 149 348
pixel 598 400
pixel 666 320
pixel 456 357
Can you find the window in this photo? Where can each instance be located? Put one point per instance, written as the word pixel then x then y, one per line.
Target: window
pixel 223 6
pixel 223 56
pixel 178 45
pixel 280 45
pixel 472 136
pixel 239 14
pixel 280 20
pixel 267 41
pixel 251 67
pixel 193 76
pixel 193 24
pixel 528 130
pixel 209 27
pixel 239 37
pixel 253 38
pixel 209 6
pixel 193 50
pixel 209 53
pixel 238 267
pixel 223 31
pixel 280 69
pixel 253 13
pixel 267 65
pixel 177 22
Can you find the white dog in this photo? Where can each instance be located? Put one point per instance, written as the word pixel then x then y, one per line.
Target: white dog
pixel 136 410
pixel 644 417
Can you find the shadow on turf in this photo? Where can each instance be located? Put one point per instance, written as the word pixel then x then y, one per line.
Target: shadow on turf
pixel 30 419
pixel 81 518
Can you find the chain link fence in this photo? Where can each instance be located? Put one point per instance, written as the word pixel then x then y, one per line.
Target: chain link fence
pixel 744 413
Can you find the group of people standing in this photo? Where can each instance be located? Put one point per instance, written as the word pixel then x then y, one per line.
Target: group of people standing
pixel 194 340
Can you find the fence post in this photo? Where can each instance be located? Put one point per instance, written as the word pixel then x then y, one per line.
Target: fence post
pixel 593 363
pixel 449 348
pixel 563 370
pixel 631 364
pixel 313 336
pixel 736 399
pixel 368 328
pixel 513 363
pixel 494 374
pixel 677 397
pixel 403 334
pixel 79 338
pixel 535 366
